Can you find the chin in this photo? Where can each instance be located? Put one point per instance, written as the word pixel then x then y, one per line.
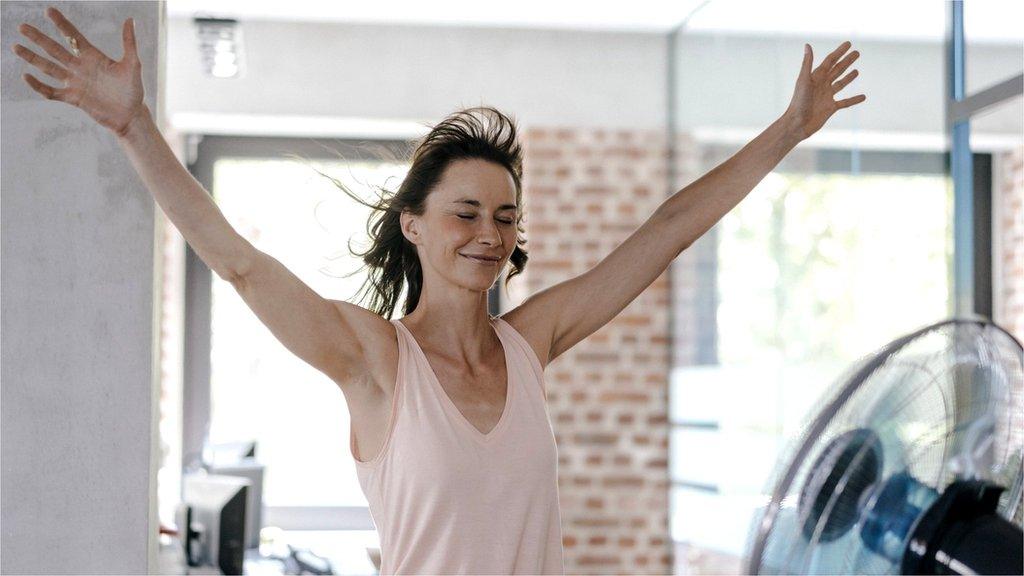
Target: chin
pixel 481 285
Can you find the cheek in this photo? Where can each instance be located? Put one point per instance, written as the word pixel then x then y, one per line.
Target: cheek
pixel 457 238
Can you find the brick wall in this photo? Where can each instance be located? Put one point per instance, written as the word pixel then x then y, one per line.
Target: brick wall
pixel 1009 228
pixel 585 192
pixel 1008 299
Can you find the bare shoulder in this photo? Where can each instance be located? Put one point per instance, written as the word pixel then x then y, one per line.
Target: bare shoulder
pixel 534 327
pixel 378 341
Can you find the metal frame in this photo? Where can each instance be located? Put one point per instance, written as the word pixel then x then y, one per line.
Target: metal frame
pixel 972 228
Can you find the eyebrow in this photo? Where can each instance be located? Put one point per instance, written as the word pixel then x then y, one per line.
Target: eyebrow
pixel 476 203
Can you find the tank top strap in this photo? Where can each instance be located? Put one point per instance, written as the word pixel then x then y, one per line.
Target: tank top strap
pixel 406 357
pixel 410 367
pixel 522 351
pixel 403 344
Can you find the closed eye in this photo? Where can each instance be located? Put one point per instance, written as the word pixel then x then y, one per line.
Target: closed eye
pixel 471 216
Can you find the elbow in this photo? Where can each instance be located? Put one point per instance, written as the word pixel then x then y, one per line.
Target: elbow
pixel 230 276
pixel 241 264
pixel 236 273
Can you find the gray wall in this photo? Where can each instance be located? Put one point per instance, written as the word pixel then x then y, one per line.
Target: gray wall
pixel 728 83
pixel 78 394
pixel 406 72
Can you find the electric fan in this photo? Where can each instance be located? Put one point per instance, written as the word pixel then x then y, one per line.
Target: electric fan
pixel 912 467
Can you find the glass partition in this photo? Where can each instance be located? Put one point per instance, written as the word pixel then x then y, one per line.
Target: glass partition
pixel 994 41
pixel 845 246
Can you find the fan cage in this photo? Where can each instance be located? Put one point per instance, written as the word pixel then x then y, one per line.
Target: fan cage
pixel 945 401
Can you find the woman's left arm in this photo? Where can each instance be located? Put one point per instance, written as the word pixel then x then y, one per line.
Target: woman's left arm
pixel 566 313
pixel 693 210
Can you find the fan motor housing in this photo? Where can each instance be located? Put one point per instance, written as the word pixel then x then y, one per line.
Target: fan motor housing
pixel 961 533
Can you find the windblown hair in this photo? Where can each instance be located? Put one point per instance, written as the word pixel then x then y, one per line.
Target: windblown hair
pixel 480 132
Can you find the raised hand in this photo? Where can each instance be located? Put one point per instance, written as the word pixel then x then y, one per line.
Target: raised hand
pixel 109 91
pixel 813 103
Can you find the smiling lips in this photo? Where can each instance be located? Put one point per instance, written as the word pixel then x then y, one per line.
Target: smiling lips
pixel 483 260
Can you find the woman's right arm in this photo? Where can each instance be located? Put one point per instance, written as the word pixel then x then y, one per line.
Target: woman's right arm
pixel 110 92
pixel 184 200
pixel 310 326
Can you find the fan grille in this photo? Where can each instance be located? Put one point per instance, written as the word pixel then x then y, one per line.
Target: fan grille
pixel 944 402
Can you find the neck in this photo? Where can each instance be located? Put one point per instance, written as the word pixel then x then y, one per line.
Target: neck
pixel 454 323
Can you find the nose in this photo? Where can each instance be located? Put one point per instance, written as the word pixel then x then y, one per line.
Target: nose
pixel 489 234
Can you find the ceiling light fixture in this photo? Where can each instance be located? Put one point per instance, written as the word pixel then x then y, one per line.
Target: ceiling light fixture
pixel 220 45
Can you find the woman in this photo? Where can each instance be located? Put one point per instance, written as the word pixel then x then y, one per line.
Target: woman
pixel 450 433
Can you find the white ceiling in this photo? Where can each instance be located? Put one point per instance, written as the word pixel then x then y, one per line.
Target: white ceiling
pixel 995 21
pixel 639 15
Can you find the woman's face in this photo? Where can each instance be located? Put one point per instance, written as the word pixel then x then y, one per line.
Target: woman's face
pixel 471 212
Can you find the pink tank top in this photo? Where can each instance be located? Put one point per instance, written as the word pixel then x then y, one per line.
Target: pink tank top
pixel 448 499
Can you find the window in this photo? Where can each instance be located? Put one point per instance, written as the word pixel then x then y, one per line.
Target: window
pixel 259 390
pixel 809 273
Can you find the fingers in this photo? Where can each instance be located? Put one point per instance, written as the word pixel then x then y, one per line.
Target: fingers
pixel 805 67
pixel 851 101
pixel 131 51
pixel 43 41
pixel 842 83
pixel 68 29
pixel 830 60
pixel 841 67
pixel 51 69
pixel 49 92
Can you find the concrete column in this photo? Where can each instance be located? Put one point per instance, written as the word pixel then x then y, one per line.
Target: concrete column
pixel 79 390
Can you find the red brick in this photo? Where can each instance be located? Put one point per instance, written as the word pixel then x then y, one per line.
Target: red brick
pixel 595 522
pixel 622 480
pixel 657 463
pixel 596 439
pixel 565 135
pixel 622 396
pixel 537 153
pixel 594 560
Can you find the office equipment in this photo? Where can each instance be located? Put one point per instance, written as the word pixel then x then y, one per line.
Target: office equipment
pixel 253 471
pixel 218 506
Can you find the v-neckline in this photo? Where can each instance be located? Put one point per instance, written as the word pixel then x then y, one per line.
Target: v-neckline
pixel 450 404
